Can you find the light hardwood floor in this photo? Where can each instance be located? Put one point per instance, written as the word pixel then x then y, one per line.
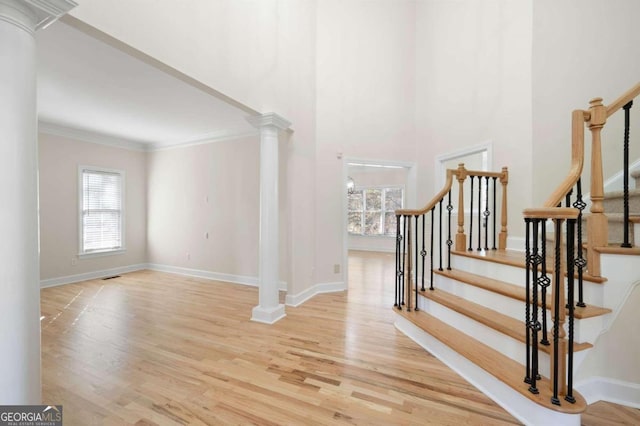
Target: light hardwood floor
pixel 155 348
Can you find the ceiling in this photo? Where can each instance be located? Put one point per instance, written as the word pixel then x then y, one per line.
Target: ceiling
pixel 87 85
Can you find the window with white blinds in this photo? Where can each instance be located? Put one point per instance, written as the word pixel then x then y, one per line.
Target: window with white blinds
pixel 101 208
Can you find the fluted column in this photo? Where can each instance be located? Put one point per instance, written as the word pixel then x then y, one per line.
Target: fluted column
pixel 19 253
pixel 269 309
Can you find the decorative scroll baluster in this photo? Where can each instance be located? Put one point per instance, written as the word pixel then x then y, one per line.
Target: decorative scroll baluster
pixel 449 241
pixel 558 282
pixel 423 252
pixel 471 217
pixel 432 220
pixel 440 238
pixel 571 224
pixel 625 172
pixel 404 256
pixel 486 213
pixel 581 262
pixel 544 281
pixel 527 308
pixel 479 213
pixel 534 324
pixel 495 213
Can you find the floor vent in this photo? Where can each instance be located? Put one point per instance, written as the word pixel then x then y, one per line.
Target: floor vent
pixel 110 278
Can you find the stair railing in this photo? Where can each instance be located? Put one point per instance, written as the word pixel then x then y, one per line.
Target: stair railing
pixel 567 254
pixel 422 233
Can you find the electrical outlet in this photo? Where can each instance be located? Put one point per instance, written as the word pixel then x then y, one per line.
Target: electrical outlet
pixel 206 235
pixel 336 268
pixel 74 261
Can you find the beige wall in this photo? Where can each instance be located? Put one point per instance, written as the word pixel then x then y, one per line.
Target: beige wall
pixel 211 188
pixel 59 158
pixel 473 85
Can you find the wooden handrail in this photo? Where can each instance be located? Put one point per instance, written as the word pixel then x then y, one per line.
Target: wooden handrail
pixel 551 213
pixel 578 118
pixel 435 200
pixel 447 186
pixel 629 95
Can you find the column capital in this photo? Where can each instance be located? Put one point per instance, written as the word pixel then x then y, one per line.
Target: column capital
pixel 32 15
pixel 269 119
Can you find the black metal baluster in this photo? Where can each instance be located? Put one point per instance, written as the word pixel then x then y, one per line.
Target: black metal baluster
pixel 440 238
pixel 544 281
pixel 415 307
pixel 398 239
pixel 433 209
pixel 625 171
pixel 571 224
pixel 527 310
pixel 479 213
pixel 486 213
pixel 581 262
pixel 471 217
pixel 534 324
pixel 449 240
pixel 423 252
pixel 404 255
pixel 495 213
pixel 558 281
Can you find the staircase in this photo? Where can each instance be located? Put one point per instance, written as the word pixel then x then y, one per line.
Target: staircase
pixel 503 317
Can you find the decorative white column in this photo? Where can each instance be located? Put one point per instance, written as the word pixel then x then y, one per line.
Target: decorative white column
pixel 19 254
pixel 269 309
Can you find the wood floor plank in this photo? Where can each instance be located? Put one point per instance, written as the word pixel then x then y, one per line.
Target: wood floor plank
pixel 152 348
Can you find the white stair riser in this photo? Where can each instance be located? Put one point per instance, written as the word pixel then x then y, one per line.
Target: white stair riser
pixel 585 330
pixel 593 292
pixel 506 345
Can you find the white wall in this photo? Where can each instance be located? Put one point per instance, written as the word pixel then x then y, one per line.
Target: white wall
pixel 582 49
pixel 473 85
pixel 58 188
pixel 364 106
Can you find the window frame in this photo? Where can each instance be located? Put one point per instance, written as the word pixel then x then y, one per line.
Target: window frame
pixel 383 211
pixel 82 253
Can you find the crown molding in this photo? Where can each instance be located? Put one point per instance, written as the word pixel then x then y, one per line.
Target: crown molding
pixel 90 136
pixel 32 15
pixel 269 119
pixel 201 140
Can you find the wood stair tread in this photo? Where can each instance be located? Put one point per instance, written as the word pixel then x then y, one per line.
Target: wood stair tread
pixel 513 258
pixel 500 366
pixel 500 322
pixel 513 291
pixel 616 249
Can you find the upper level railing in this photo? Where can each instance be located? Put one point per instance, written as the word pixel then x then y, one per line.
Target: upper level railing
pixel 421 233
pixel 566 258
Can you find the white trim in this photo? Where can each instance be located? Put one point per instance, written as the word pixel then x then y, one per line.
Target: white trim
pixel 268 316
pixel 519 406
pixel 598 388
pixel 441 159
pixel 378 249
pixel 269 119
pixel 52 282
pixel 89 136
pixel 123 203
pixel 296 300
pixel 210 275
pixel 101 253
pixel 200 140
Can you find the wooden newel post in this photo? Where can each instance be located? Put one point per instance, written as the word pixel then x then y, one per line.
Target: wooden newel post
pixel 597 225
pixel 461 238
pixel 502 240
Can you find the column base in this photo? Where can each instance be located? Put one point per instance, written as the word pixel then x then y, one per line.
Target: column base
pixel 268 315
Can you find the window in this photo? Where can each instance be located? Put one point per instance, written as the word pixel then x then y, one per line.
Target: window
pixel 101 210
pixel 372 210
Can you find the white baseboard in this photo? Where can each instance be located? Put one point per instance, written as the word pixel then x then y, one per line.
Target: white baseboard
pixel 375 248
pixel 597 388
pixel 268 316
pixel 216 276
pixel 296 300
pixel 52 282
pixel 210 275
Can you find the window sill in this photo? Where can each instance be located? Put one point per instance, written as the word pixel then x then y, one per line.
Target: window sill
pixel 101 253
